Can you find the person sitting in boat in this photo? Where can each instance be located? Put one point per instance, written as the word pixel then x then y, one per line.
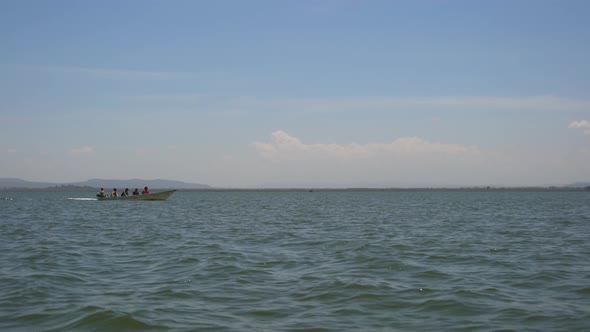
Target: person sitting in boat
pixel 125 193
pixel 101 193
pixel 114 193
pixel 145 191
pixel 135 192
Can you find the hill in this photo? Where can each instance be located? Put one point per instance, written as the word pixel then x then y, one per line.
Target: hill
pixel 579 185
pixel 13 183
pixel 139 183
pixel 8 183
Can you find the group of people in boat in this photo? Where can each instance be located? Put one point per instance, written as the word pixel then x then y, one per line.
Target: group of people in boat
pixel 114 193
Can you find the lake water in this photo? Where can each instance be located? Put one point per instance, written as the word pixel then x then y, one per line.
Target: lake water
pixel 297 261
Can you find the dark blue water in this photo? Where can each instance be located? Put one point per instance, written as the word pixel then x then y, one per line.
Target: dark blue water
pixel 283 261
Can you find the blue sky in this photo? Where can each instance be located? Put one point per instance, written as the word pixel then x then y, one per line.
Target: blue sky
pixel 296 93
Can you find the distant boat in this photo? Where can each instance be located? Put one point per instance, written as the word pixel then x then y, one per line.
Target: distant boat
pixel 159 196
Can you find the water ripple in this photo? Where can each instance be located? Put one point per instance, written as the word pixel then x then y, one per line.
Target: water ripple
pixel 290 261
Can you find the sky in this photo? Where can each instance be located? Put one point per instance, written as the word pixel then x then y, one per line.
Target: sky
pixel 284 93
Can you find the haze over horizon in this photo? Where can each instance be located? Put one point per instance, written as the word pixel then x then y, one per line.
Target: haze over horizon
pixel 296 93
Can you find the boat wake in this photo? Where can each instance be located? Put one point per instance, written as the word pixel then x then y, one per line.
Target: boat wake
pixel 82 199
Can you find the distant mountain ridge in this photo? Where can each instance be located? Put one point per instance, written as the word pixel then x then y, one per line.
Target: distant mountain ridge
pixel 579 185
pixel 20 183
pixel 13 183
pixel 139 183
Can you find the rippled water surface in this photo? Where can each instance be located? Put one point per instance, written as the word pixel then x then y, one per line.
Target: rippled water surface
pixel 282 261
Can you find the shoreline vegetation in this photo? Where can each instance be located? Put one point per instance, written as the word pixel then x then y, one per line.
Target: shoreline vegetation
pixel 70 188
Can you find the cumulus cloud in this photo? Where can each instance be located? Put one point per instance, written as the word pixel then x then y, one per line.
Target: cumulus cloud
pixel 472 103
pixel 108 73
pixel 121 73
pixel 82 150
pixel 245 104
pixel 581 124
pixel 286 147
pixel 286 160
pixel 168 98
pixel 405 161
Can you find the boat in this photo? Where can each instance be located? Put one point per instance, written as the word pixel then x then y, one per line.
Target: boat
pixel 159 196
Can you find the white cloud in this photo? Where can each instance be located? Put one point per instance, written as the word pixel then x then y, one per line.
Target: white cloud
pixel 286 147
pixel 126 74
pixel 406 161
pixel 247 104
pixel 82 150
pixel 168 98
pixel 109 73
pixel 581 124
pixel 472 103
pixel 543 102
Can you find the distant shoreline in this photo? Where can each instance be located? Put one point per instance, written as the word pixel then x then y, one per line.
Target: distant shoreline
pixel 92 185
pixel 459 189
pixel 389 189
